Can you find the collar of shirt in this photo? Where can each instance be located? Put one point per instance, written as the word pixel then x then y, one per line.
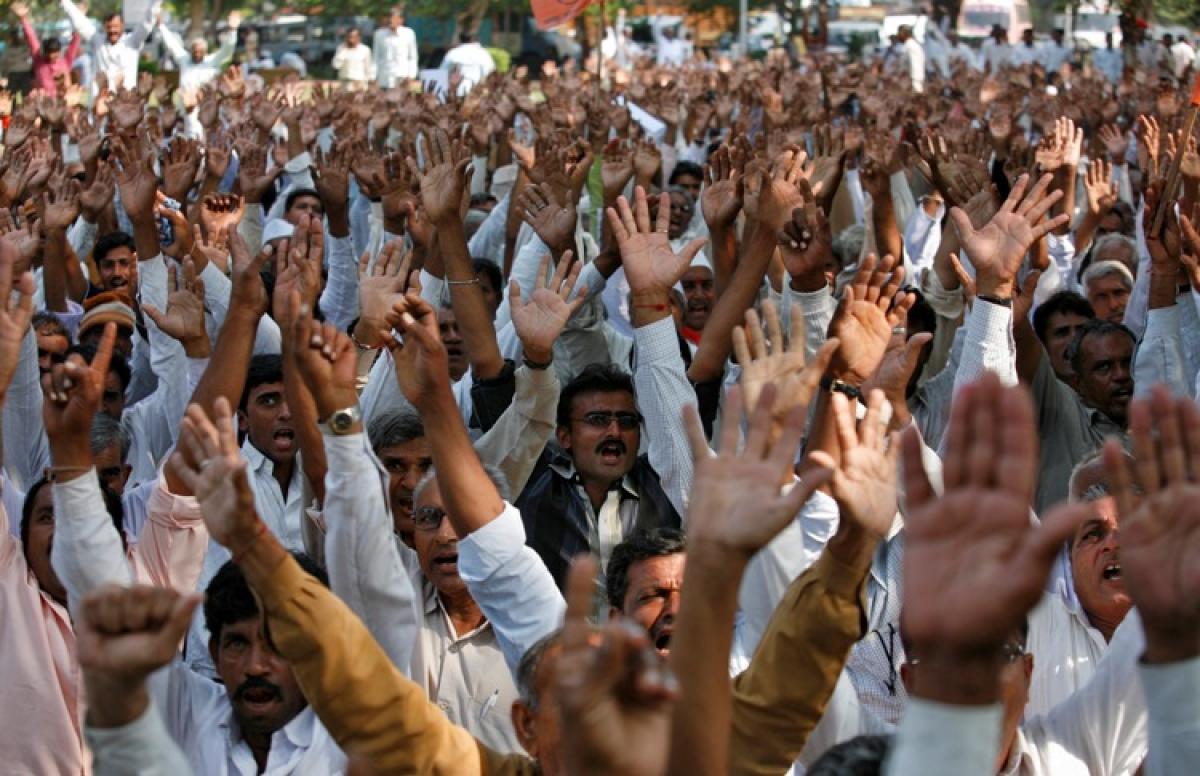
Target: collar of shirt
pixel 297 733
pixel 433 605
pixel 261 464
pixel 564 468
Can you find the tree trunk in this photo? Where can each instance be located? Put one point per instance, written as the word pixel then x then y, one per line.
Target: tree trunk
pixel 198 11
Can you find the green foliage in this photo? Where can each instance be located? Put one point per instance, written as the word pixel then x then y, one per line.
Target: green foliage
pixel 502 58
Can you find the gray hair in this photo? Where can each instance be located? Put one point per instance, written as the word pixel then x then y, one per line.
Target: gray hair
pixel 860 755
pixel 531 663
pixel 495 475
pixel 848 245
pixel 106 432
pixel 395 427
pixel 1115 238
pixel 1104 269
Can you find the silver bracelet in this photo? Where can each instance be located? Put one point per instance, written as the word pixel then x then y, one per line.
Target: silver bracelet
pixel 472 281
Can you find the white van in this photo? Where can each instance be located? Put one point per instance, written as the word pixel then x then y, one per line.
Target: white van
pixel 1090 26
pixel 977 17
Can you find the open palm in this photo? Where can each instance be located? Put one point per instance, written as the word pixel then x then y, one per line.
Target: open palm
pixel 651 266
pixel 210 464
pixel 542 318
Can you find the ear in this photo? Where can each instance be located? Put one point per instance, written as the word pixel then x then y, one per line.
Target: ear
pixel 562 434
pixel 1027 665
pixel 243 422
pixel 525 726
pixel 614 613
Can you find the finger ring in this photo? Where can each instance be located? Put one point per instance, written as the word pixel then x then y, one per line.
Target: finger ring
pixel 898 330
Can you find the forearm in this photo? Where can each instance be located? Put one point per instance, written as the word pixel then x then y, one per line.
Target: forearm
pixel 304 417
pixel 888 241
pixel 1029 351
pixel 474 320
pixel 87 551
pixel 471 499
pixel 1065 181
pixel 700 659
pixel 722 242
pixel 54 274
pixel 716 342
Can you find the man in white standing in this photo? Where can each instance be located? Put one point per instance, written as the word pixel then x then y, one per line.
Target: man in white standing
pixel 913 57
pixel 116 53
pixel 197 67
pixel 995 51
pixel 395 49
pixel 353 60
pixel 1056 52
pixel 670 49
pixel 470 60
pixel 1109 60
pixel 1183 56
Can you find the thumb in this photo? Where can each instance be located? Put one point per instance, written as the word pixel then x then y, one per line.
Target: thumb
pixel 962 222
pixel 912 350
pixel 181 616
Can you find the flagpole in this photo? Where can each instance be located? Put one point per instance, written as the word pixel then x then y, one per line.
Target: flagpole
pixel 600 46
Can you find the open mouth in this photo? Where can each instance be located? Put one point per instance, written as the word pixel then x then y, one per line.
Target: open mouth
pixel 259 697
pixel 611 452
pixel 662 642
pixel 446 562
pixel 285 437
pixel 1123 393
pixel 1112 572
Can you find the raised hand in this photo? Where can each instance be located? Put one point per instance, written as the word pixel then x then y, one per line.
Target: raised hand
pixel 721 200
pixel 253 178
pixel 864 484
pixel 136 178
pixel 1099 187
pixel 60 204
pixel 1116 142
pixel 422 366
pixel 651 266
pixel 444 182
pixel 806 241
pixel 218 212
pixel 248 292
pixel 73 390
pixel 180 163
pixel 1160 530
pixel 99 195
pixel 736 502
pixel 326 359
pixel 126 110
pixel 122 636
pixel 15 315
pixel 540 320
pixel 768 361
pixel 217 153
pixel 997 250
pixel 183 320
pixel 974 565
pixel 873 305
pixel 552 219
pixel 332 176
pixel 209 462
pixel 298 268
pixel 616 696
pixel 778 190
pixel 185 234
pixel 380 287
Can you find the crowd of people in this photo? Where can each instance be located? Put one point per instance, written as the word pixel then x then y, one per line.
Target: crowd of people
pixel 706 417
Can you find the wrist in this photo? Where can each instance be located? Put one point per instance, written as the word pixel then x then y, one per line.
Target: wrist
pixel 961 678
pixel 646 307
pixel 114 700
pixel 994 289
pixel 537 357
pixel 337 398
pixel 197 347
pixel 716 554
pixel 807 282
pixel 852 546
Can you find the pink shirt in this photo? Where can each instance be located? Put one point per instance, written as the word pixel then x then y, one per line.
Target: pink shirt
pixel 41 705
pixel 42 711
pixel 45 71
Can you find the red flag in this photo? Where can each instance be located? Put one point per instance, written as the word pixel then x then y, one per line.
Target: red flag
pixel 553 13
pixel 1196 93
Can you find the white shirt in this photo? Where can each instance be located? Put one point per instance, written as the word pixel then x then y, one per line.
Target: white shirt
pixel 1021 55
pixel 118 61
pixel 962 52
pixel 1182 55
pixel 395 55
pixel 1054 54
pixel 472 61
pixel 1110 62
pixel 193 74
pixel 995 55
pixel 671 51
pixel 199 717
pixel 1098 731
pixel 354 63
pixel 914 58
pixel 1066 650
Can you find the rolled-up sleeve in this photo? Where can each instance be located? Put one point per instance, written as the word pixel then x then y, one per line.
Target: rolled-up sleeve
pixel 663 391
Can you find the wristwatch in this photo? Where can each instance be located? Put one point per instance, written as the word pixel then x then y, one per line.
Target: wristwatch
pixel 341 421
pixel 837 386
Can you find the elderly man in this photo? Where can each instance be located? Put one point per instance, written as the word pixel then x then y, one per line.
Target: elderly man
pixel 1108 286
pixel 115 52
pixel 197 67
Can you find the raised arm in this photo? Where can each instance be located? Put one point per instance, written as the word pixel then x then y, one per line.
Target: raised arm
pixel 79 20
pixel 365 567
pixel 174 45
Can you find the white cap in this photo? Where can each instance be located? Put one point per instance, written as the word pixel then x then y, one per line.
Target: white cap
pixel 276 228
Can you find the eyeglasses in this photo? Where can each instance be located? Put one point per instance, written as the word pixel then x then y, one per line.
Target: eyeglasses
pixel 429 518
pixel 627 421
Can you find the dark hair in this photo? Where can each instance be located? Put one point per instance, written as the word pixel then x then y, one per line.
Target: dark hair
pixel 921 317
pixel 111 16
pixel 109 243
pixel 52 45
pixel 264 368
pixel 482 198
pixel 531 664
pixel 602 378
pixel 112 504
pixel 296 193
pixel 686 168
pixel 117 364
pixel 1060 302
pixel 860 756
pixel 51 321
pixel 395 427
pixel 228 598
pixel 644 544
pixel 489 268
pixel 1093 328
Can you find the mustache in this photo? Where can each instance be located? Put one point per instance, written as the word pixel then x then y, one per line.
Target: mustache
pixel 613 441
pixel 257 683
